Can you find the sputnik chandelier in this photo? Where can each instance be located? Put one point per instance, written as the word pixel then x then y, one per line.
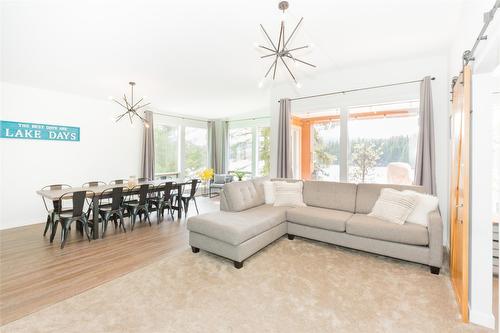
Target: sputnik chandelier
pixel 132 109
pixel 282 52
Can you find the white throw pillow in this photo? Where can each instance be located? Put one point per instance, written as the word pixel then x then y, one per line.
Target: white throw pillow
pixel 269 189
pixel 426 203
pixel 288 194
pixel 393 206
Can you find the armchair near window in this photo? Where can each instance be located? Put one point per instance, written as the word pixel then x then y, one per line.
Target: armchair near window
pixel 218 182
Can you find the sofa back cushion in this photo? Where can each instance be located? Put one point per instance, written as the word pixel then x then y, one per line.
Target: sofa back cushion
pixel 331 195
pixel 368 194
pixel 242 195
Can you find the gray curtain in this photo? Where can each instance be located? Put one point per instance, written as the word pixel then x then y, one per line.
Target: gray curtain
pixel 284 140
pixel 148 148
pixel 212 145
pixel 425 165
pixel 218 134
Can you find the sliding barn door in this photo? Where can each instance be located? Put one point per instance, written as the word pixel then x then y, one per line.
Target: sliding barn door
pixel 459 210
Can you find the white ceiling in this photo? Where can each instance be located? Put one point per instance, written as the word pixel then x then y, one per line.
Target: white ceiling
pixel 197 57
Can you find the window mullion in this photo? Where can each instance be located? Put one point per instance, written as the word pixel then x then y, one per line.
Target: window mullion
pixel 344 143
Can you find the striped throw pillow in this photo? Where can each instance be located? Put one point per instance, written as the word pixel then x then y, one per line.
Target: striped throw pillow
pixel 393 206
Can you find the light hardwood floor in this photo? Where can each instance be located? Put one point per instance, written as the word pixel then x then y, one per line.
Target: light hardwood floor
pixel 35 274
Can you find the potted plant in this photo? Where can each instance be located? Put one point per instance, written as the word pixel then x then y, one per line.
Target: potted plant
pixel 239 174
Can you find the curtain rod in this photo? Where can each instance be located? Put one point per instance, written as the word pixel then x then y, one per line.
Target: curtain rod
pixel 358 89
pixel 254 118
pixel 487 18
pixel 181 117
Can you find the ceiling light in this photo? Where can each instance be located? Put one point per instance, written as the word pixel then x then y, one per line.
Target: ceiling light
pixel 281 51
pixel 132 108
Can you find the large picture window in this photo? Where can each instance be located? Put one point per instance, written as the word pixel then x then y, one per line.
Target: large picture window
pixel 196 150
pixel 369 143
pixel 326 150
pixel 250 147
pixel 166 149
pixel 383 143
pixel 181 147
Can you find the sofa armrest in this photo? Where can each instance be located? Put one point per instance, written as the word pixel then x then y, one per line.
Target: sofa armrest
pixel 435 228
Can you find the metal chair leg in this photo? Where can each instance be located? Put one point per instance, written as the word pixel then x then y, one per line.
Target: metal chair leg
pixel 47 225
pixel 196 206
pixel 146 213
pixel 86 228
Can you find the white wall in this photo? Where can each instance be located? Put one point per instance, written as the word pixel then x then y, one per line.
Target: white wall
pixel 378 74
pixel 106 151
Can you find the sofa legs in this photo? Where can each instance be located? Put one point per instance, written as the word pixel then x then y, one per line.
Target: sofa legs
pixel 195 249
pixel 291 237
pixel 434 270
pixel 238 264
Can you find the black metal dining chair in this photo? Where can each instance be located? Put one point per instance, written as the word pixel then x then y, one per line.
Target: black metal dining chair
pixel 162 198
pixel 186 198
pixel 77 212
pixel 110 206
pixel 51 212
pixel 118 182
pixel 136 203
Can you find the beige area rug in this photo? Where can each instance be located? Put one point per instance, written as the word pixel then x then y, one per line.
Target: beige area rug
pixel 291 286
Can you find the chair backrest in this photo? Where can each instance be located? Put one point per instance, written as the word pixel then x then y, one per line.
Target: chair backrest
pixel 144 179
pixel 112 195
pixel 53 187
pixel 93 183
pixel 194 187
pixel 78 201
pixel 166 188
pixel 139 193
pixel 118 182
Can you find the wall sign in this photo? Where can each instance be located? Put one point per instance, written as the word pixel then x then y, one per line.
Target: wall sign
pixel 30 131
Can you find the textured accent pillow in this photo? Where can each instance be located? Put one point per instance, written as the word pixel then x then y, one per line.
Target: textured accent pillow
pixel 269 191
pixel 425 203
pixel 393 206
pixel 288 194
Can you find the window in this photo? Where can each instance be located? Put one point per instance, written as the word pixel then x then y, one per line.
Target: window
pixel 264 151
pixel 383 143
pixel 196 150
pixel 240 149
pixel 326 150
pixel 181 147
pixel 250 147
pixel 374 143
pixel 166 149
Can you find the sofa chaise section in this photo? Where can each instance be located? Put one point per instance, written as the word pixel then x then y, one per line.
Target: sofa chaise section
pixel 246 226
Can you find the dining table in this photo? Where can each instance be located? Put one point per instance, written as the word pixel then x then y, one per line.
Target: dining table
pixel 55 195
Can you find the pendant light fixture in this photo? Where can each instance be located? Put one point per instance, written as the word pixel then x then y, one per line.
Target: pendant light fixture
pixel 281 51
pixel 132 108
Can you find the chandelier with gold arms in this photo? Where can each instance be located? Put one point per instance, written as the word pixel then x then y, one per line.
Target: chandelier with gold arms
pixel 281 51
pixel 132 108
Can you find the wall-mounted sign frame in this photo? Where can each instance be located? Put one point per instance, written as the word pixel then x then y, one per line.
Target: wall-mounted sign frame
pixel 32 131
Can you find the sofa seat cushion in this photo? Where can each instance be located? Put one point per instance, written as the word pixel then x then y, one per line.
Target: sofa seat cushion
pixel 236 228
pixel 329 219
pixel 372 227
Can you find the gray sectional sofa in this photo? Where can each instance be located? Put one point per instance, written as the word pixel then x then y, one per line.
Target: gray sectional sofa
pixel 336 213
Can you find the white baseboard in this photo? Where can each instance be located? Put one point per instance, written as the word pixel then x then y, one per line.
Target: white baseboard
pixel 482 318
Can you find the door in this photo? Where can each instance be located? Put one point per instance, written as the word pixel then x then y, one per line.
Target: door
pixel 459 203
